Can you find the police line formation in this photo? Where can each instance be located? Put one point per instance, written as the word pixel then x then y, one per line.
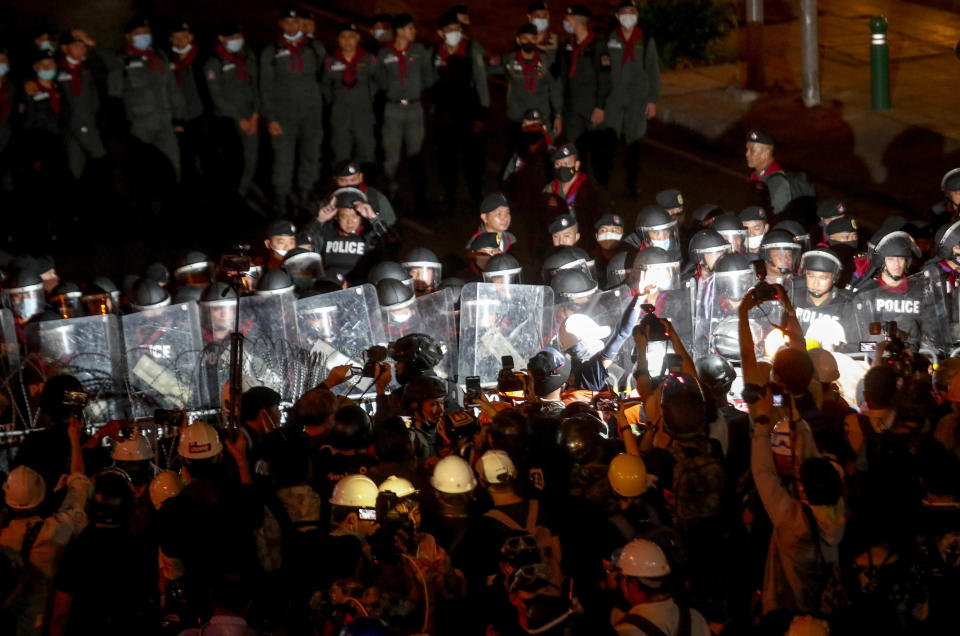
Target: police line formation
pixel 502 386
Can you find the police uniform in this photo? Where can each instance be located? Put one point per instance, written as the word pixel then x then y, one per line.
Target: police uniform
pixel 81 135
pixel 290 95
pixel 232 83
pixel 350 87
pixel 9 96
pixel 403 76
pixel 838 307
pixel 635 81
pixel 531 86
pixel 41 117
pixel 773 176
pixel 184 68
pixel 461 96
pixel 584 72
pixel 146 84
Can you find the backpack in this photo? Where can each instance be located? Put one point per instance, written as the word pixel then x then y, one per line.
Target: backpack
pixel 548 544
pixel 698 480
pixel 800 187
pixel 648 628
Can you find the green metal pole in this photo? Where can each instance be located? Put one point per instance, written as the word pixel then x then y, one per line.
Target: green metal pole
pixel 879 63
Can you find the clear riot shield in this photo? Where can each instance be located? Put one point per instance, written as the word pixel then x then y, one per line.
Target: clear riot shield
pixel 496 321
pixel 435 316
pixel 335 329
pixel 920 311
pixel 271 347
pixel 89 349
pixel 832 324
pixel 163 348
pixel 9 345
pixel 725 298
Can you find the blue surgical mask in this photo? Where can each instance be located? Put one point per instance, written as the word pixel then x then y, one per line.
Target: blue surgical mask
pixel 48 46
pixel 378 34
pixel 142 41
pixel 568 28
pixel 47 74
pixel 294 37
pixel 182 51
pixel 235 45
pixel 4 69
pixel 541 24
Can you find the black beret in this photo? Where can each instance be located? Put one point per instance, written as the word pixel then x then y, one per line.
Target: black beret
pixel 534 114
pixel 228 27
pixel 401 20
pixel 561 223
pixel 831 208
pixel 446 19
pixel 841 226
pixel 564 151
pixel 760 137
pixel 487 240
pixel 536 6
pixel 670 199
pixel 527 29
pixel 753 213
pixel 493 201
pixel 579 10
pixel 346 168
pixel 281 227
pixel 136 22
pixel 609 219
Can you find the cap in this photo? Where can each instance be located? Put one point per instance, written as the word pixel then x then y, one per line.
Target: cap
pixel 561 223
pixel 564 151
pixel 228 27
pixel 579 11
pixel 497 467
pixel 609 219
pixel 493 201
pixel 841 225
pixel 401 20
pixel 347 168
pixel 534 114
pixel 760 137
pixel 381 17
pixel 67 37
pixel 347 196
pixel 136 22
pixel 281 227
pixel 527 29
pixel 536 6
pixel 753 213
pixel 460 9
pixel 487 240
pixel 549 369
pixel 446 19
pixel 669 198
pixel 289 11
pixel 347 26
pixel 831 208
pixel 179 27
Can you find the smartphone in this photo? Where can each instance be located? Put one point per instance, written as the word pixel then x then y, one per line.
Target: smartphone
pixel 778 399
pixel 356 370
pixel 472 395
pixel 506 362
pixel 367 514
pixel 868 347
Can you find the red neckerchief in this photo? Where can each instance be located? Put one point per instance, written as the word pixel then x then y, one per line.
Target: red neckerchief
pixel 401 62
pixel 774 167
pixel 54 96
pixel 529 72
pixel 899 288
pixel 153 59
pixel 4 100
pixel 239 60
pixel 460 50
pixel 76 81
pixel 350 68
pixel 951 273
pixel 181 63
pixel 578 49
pixel 296 53
pixel 362 187
pixel 628 44
pixel 572 194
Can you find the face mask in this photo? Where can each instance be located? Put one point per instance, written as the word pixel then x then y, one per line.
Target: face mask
pixel 235 45
pixel 48 46
pixel 609 236
pixel 541 24
pixel 844 243
pixel 568 28
pixel 4 69
pixel 566 173
pixel 182 51
pixel 753 242
pixel 294 37
pixel 280 253
pixel 452 38
pixel 628 20
pixel 528 47
pixel 663 244
pixel 378 34
pixel 72 61
pixel 142 41
pixel 47 74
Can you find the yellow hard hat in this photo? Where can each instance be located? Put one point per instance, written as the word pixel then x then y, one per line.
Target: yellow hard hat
pixel 627 475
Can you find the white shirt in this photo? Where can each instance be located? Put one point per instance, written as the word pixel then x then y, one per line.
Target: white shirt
pixel 666 616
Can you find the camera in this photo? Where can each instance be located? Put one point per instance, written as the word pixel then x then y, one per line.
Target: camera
pixel 371 358
pixel 236 265
pixel 764 292
pixel 650 324
pixel 509 382
pixel 473 392
pixel 606 401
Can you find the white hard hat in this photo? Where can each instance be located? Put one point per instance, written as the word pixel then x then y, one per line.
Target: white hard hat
pixel 452 475
pixel 199 441
pixel 398 485
pixel 355 491
pixel 824 365
pixel 585 328
pixel 164 486
pixel 135 449
pixel 643 559
pixel 24 488
pixel 497 467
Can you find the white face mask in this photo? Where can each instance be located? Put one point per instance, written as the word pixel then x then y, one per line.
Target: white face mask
pixel 72 61
pixel 280 253
pixel 628 20
pixel 235 45
pixel 452 38
pixel 663 244
pixel 609 236
pixel 753 242
pixel 378 34
pixel 541 24
pixel 294 37
pixel 182 51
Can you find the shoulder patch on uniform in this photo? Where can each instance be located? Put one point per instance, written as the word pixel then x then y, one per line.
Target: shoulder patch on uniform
pixel 135 64
pixel 64 77
pixel 337 66
pixel 390 59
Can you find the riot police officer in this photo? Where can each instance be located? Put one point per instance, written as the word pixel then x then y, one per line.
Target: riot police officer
pixel 350 83
pixel 231 74
pixel 824 311
pixel 292 104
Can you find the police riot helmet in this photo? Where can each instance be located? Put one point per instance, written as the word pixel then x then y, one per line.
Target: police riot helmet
pixel 653 256
pixel 716 373
pixel 365 626
pixel 589 263
pixel 101 296
pixel 897 243
pixel 579 438
pixel 707 241
pixel 948 239
pixel 148 294
pixel 420 255
pixel 560 258
pixel 194 269
pixel 731 228
pixel 733 262
pixel 352 428
pixel 188 293
pixel 65 298
pixel 274 281
pixel 570 284
pixel 23 292
pixel 418 350
pixel 219 293
pixel 424 387
pixel 821 260
pixel 707 212
pixel 103 285
pixel 654 217
pixel 502 268
pixel 619 266
pixel 393 294
pixel 782 241
pixel 423 266
pixel 157 272
pixel 799 232
pixel 950 181
pixel 683 407
pixel 733 275
pixel 454 284
pixel 389 270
